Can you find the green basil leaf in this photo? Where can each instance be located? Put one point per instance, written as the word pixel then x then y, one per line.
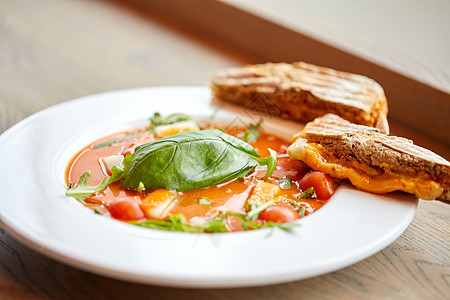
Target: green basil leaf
pixel 190 160
pixel 270 162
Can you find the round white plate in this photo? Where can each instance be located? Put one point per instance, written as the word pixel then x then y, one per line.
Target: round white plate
pixel 33 208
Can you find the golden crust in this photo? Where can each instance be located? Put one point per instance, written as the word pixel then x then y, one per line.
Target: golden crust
pixel 371 160
pixel 302 92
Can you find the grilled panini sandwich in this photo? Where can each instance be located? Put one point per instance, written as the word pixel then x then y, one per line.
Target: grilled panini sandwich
pixel 371 160
pixel 302 92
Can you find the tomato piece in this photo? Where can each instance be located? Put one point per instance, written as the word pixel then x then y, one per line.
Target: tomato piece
pixel 322 183
pixel 287 167
pixel 279 214
pixel 125 209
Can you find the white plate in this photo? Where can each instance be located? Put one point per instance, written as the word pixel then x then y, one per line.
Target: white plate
pixel 34 153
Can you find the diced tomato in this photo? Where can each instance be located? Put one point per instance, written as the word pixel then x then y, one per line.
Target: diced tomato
pixel 323 184
pixel 125 209
pixel 279 214
pixel 287 167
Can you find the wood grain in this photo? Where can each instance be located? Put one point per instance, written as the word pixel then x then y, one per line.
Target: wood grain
pixel 52 51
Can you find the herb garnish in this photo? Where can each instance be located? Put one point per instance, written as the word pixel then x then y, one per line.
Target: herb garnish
pixel 215 224
pixel 285 183
pixel 301 210
pixel 270 162
pixel 308 194
pixel 252 133
pixel 158 120
pixel 121 138
pixel 84 190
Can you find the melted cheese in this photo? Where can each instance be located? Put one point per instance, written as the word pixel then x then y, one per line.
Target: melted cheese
pixel 364 177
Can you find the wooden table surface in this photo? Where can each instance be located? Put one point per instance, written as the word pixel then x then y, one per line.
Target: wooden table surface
pixel 53 51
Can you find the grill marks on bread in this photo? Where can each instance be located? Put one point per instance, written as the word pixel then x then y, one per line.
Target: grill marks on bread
pixel 303 92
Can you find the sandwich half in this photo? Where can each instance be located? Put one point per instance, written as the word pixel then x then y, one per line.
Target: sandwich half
pixel 302 92
pixel 371 160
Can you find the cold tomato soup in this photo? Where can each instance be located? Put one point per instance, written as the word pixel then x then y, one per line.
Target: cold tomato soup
pixel 244 203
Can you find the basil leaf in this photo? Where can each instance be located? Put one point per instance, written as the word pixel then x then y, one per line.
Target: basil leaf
pixel 190 160
pixel 270 162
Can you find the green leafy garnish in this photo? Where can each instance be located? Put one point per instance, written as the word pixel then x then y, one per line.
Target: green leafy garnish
pixel 308 194
pixel 257 208
pixel 285 183
pixel 252 133
pixel 122 138
pixel 301 210
pixel 270 162
pixel 84 190
pixel 191 160
pixel 158 120
pixel 215 224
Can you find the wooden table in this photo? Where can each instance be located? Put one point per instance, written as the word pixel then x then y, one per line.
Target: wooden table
pixel 54 51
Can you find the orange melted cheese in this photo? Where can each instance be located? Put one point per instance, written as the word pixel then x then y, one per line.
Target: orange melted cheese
pixel 362 176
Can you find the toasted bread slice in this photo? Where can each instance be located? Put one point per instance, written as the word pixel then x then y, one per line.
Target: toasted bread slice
pixel 302 92
pixel 371 160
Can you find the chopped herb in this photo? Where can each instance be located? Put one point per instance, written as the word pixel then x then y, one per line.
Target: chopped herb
pixel 285 183
pixel 270 162
pixel 98 212
pixel 320 201
pixel 289 227
pixel 252 133
pixel 158 120
pixel 228 191
pixel 257 208
pixel 84 190
pixel 308 194
pixel 121 138
pixel 215 224
pixel 294 203
pixel 301 210
pixel 203 201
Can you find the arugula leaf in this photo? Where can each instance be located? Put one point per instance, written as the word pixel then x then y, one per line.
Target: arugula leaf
pixel 301 210
pixel 83 190
pixel 252 133
pixel 215 224
pixel 285 183
pixel 257 208
pixel 270 162
pixel 190 160
pixel 158 120
pixel 121 138
pixel 308 194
